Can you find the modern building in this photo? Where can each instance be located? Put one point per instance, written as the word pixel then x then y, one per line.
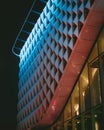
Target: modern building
pixel 61 77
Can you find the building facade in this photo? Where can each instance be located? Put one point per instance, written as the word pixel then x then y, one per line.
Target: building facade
pixel 61 74
pixel 85 107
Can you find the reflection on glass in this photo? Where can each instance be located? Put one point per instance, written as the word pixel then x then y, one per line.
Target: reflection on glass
pixel 95 82
pixel 84 90
pixel 75 101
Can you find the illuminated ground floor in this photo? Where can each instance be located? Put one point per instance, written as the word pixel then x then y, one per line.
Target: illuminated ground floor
pixel 85 107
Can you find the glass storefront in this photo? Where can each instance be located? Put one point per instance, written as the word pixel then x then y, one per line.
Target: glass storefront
pixel 85 108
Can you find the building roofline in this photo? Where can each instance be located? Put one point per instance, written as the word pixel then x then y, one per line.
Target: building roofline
pixel 27 26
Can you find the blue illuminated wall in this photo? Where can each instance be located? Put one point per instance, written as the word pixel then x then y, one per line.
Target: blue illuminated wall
pixel 44 56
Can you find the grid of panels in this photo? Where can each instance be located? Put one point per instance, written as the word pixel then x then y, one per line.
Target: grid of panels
pixel 45 54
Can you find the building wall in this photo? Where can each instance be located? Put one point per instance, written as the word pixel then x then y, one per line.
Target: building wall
pixel 46 61
pixel 85 107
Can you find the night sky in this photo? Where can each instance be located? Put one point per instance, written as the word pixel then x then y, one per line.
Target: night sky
pixel 12 16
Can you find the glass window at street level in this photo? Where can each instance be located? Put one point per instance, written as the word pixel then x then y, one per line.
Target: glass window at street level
pixel 100 42
pixel 84 90
pixel 75 101
pixel 94 78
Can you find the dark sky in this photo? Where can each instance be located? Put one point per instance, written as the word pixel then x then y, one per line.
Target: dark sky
pixel 12 16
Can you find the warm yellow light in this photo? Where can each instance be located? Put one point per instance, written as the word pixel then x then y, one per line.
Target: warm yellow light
pixel 76 108
pixel 83 93
pixel 85 79
pixel 94 72
pixel 96 126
